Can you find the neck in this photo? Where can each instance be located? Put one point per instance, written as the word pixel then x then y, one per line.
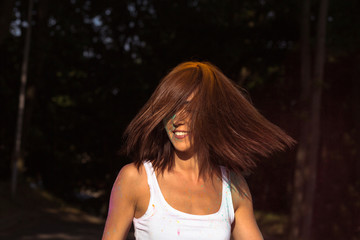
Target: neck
pixel 187 165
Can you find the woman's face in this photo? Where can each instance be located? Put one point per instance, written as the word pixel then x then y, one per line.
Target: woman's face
pixel 178 131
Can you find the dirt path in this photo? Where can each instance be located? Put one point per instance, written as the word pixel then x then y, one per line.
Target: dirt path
pixel 53 224
pixel 37 215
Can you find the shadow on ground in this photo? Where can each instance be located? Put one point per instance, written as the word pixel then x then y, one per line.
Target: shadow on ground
pixel 35 214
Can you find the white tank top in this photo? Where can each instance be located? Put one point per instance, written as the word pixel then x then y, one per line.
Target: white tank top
pixel 161 221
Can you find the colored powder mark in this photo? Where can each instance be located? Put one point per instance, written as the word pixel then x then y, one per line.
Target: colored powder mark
pixel 172 123
pixel 118 191
pixel 189 193
pixel 154 210
pixel 177 221
pixel 178 232
pixel 168 131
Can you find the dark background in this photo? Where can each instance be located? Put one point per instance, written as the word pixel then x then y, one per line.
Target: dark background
pixel 93 64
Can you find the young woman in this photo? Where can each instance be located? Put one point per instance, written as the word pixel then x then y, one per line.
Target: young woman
pixel 190 144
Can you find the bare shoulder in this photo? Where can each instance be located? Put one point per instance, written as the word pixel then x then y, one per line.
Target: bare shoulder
pixel 123 202
pixel 130 179
pixel 239 190
pixel 129 172
pixel 244 226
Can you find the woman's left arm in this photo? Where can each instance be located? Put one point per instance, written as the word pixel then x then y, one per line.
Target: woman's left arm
pixel 244 226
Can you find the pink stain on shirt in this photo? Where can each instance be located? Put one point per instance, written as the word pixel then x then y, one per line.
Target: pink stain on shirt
pixel 178 232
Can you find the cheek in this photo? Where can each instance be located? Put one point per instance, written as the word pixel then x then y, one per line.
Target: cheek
pixel 168 127
pixel 168 124
pixel 168 131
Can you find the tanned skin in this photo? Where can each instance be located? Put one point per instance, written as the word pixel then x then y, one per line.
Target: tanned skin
pixel 183 188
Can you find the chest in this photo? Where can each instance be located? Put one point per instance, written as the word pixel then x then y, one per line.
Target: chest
pixel 161 228
pixel 201 198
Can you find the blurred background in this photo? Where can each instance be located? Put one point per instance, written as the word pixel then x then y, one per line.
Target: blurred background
pixel 73 73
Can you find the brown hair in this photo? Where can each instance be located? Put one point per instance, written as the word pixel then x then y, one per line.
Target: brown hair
pixel 226 129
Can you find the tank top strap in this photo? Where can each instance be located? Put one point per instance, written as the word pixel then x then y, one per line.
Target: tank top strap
pixel 152 201
pixel 149 172
pixel 152 182
pixel 226 194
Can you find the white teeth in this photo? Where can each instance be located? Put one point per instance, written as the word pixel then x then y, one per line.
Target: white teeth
pixel 180 133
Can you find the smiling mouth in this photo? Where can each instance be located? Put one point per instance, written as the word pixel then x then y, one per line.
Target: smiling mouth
pixel 180 134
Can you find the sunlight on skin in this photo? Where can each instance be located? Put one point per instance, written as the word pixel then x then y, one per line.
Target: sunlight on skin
pixel 117 194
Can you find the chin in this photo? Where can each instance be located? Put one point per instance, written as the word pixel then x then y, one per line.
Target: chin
pixel 181 149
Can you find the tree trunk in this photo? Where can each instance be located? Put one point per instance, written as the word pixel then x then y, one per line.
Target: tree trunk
pixel 318 80
pixel 298 207
pixel 40 47
pixel 16 160
pixel 308 151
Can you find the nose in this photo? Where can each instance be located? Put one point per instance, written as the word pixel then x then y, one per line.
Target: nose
pixel 176 123
pixel 178 120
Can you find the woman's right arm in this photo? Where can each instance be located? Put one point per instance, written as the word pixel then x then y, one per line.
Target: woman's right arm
pixel 122 204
